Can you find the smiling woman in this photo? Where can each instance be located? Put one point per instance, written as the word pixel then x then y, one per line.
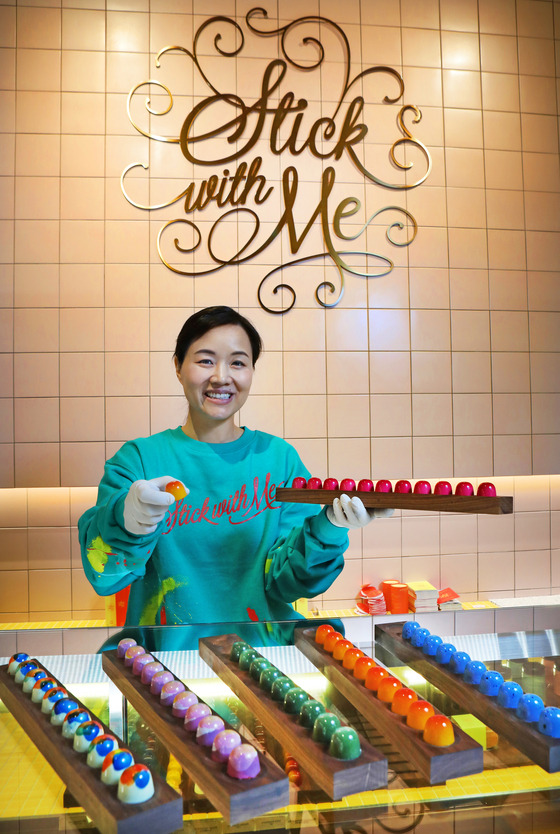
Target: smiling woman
pixel 222 549
pixel 216 372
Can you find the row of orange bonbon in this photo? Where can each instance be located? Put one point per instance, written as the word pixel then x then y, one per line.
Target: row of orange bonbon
pixel 420 715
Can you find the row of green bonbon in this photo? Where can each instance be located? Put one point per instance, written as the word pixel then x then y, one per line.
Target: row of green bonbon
pixel 326 729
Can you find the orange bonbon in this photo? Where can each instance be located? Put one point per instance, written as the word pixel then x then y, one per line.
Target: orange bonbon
pixel 361 667
pixel 350 657
pixel 418 714
pixel 374 677
pixel 322 631
pixel 439 731
pixel 176 489
pixel 294 776
pixel 387 688
pixel 340 649
pixel 331 640
pixel 403 700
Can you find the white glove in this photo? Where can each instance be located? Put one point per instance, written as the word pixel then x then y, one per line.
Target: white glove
pixel 146 505
pixel 351 513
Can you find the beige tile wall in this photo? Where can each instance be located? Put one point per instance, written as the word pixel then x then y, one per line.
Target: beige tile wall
pixel 449 366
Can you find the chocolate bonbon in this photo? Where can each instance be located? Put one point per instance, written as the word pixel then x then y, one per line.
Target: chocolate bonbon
pixel 529 707
pixel 257 667
pixel 73 721
pixel 267 678
pixel 99 748
pixel 345 744
pixel 324 727
pixel 15 660
pixel 295 699
pixel 114 764
pixel 136 784
pixel 159 680
pixel 124 645
pixel 51 697
pixel 149 670
pixel 280 688
pixel 170 690
pixel 131 653
pixel 509 694
pixel 246 658
pixel 243 762
pixel 474 670
pixel 23 669
pixel 61 709
pixel 224 743
pixel 40 688
pixel 438 731
pixel 31 679
pixel 491 682
pixel 195 714
pixel 309 712
pixel 182 702
pixel 208 728
pixel 140 661
pixel 85 734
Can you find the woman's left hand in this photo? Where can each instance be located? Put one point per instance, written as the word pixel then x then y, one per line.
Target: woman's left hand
pixel 351 513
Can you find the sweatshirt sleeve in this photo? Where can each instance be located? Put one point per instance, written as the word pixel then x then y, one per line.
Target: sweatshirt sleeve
pixel 309 554
pixel 111 556
pixel 307 560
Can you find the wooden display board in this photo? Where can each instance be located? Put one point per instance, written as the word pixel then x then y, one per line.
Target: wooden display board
pixel 497 505
pixel 543 750
pixel 337 778
pixel 437 764
pixel 162 813
pixel 237 800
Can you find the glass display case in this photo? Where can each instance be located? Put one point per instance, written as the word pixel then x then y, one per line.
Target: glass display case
pixel 511 793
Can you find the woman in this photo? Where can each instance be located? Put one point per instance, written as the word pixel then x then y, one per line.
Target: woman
pixel 227 551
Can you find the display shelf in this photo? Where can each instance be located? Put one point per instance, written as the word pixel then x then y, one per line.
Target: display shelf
pixel 510 787
pixel 237 800
pixel 437 764
pixel 543 750
pixel 162 813
pixel 497 505
pixel 336 777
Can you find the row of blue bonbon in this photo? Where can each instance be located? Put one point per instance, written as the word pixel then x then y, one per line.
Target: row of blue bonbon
pixel 528 707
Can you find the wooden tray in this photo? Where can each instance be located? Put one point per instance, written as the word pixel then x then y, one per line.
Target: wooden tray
pixel 499 505
pixel 543 750
pixel 337 778
pixel 436 764
pixel 162 813
pixel 237 800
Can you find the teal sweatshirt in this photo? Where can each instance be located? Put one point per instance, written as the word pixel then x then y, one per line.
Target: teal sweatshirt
pixel 228 552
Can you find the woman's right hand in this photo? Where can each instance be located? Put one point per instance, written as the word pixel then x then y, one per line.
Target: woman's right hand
pixel 146 505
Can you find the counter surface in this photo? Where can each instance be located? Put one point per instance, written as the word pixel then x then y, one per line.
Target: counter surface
pixel 510 784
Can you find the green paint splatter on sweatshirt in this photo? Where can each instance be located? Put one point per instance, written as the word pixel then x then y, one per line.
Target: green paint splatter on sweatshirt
pixel 98 553
pixel 153 605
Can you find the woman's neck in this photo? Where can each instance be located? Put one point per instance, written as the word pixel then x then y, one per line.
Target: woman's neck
pixel 215 432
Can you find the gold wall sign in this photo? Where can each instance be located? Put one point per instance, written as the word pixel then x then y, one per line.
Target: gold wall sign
pixel 224 204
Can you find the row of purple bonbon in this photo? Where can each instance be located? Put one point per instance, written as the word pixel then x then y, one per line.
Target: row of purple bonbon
pixel 103 750
pixel 528 706
pixel 242 760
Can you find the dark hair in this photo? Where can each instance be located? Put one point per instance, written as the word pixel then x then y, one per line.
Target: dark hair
pixel 207 319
